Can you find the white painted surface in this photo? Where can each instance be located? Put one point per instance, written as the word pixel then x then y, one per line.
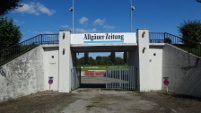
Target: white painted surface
pixel 29 73
pixel 103 38
pixel 23 75
pixel 155 61
pixel 65 62
pixel 144 64
pixel 183 70
pixel 51 67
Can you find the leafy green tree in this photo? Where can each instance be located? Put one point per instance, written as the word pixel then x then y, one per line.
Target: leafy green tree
pixel 7 5
pixel 9 33
pixel 103 60
pixel 198 1
pixel 91 61
pixel 99 60
pixel 191 32
pixel 107 61
pixel 81 61
pixel 119 61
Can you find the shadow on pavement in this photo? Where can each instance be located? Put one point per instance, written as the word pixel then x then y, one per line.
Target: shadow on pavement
pixel 86 85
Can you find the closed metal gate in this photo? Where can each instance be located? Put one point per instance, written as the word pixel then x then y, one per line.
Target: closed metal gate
pixel 75 77
pixel 121 77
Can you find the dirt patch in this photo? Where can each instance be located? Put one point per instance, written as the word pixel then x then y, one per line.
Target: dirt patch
pixel 173 103
pixel 43 102
pixel 101 101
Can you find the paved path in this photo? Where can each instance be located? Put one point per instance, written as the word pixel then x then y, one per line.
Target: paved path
pixel 99 80
pixel 101 101
pixel 110 101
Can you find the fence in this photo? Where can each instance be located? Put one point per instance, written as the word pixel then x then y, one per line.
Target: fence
pixel 14 51
pixel 163 37
pixel 121 77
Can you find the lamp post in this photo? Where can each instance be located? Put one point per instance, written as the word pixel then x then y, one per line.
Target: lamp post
pixel 131 15
pixel 72 10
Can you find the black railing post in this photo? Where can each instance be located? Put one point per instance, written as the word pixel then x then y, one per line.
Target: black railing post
pixel 41 38
pixel 164 37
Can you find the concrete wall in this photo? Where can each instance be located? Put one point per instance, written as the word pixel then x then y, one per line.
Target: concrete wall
pixel 183 70
pixel 65 61
pixel 155 62
pixel 51 67
pixel 144 67
pixel 23 75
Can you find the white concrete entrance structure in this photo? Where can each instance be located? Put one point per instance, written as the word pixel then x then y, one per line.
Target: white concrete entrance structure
pixel 52 63
pixel 31 72
pixel 136 45
pixel 65 61
pixel 144 64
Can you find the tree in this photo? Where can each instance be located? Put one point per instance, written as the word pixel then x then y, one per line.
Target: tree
pixel 91 61
pixel 103 60
pixel 9 33
pixel 198 1
pixel 119 61
pixel 6 5
pixel 99 60
pixel 81 61
pixel 107 61
pixel 191 32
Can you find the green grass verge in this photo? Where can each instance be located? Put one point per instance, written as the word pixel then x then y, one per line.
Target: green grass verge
pixel 85 68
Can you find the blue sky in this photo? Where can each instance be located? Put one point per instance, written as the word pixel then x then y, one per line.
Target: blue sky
pixel 42 16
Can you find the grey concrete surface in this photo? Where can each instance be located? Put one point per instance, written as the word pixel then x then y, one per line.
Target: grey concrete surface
pixel 99 80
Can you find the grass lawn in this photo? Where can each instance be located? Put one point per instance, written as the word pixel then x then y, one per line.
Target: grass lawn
pixel 85 68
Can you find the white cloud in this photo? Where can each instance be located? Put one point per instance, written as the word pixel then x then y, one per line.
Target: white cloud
pixel 43 32
pixel 83 20
pixel 80 30
pixel 18 22
pixel 64 26
pixel 108 27
pixel 35 8
pixel 99 21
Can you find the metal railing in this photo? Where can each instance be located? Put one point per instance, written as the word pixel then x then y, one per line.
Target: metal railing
pixel 16 50
pixel 163 37
pixel 121 77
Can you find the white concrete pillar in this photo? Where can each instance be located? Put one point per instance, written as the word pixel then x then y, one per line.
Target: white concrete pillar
pixel 65 61
pixel 144 67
